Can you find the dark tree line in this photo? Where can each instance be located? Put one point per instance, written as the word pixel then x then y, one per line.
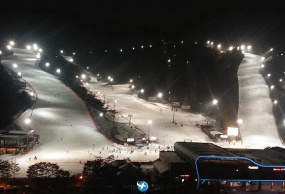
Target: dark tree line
pixel 97 167
pixel 46 170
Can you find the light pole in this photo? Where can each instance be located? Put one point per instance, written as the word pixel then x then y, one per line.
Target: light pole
pixel 130 116
pixel 115 104
pixel 149 123
pixel 174 109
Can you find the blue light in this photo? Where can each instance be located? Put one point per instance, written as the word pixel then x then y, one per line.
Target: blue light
pixel 233 157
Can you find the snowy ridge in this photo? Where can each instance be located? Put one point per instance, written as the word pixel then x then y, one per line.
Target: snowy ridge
pixel 258 129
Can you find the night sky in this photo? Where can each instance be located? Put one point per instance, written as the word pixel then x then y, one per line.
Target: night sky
pixel 113 22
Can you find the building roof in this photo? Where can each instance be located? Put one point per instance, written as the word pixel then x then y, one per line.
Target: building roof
pixel 190 151
pixel 129 167
pixel 160 166
pixel 12 137
pixel 19 132
pixel 170 157
pixel 267 156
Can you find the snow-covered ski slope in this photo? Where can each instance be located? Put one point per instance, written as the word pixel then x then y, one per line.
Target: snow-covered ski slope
pixel 258 129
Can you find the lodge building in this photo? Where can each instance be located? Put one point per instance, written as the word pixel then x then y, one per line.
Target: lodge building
pixel 206 163
pixel 15 142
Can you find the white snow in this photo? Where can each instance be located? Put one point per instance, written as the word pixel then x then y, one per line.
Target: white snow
pixel 258 129
pixel 68 134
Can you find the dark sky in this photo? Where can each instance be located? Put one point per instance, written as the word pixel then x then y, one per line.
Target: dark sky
pixel 112 21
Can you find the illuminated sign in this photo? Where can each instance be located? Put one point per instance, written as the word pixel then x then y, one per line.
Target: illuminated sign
pixel 278 169
pixel 232 131
pixel 253 167
pixel 130 139
pixel 185 175
pixel 152 138
pixel 224 136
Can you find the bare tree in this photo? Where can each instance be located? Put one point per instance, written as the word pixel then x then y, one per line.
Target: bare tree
pixel 14 168
pixel 5 169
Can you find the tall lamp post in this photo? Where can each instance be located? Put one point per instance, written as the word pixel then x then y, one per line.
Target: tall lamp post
pixel 104 98
pixel 149 123
pixel 115 104
pixel 130 116
pixel 174 109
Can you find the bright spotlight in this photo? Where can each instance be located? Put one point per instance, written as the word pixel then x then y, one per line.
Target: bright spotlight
pixel 15 65
pixel 35 47
pixel 262 58
pixel 233 131
pixel 9 47
pixel 215 101
pixel 27 121
pixel 249 47
pixel 159 95
pixel 239 121
pixel 29 47
pixel 57 70
pixel 271 49
pixel 47 64
pixel 12 43
pixel 83 76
